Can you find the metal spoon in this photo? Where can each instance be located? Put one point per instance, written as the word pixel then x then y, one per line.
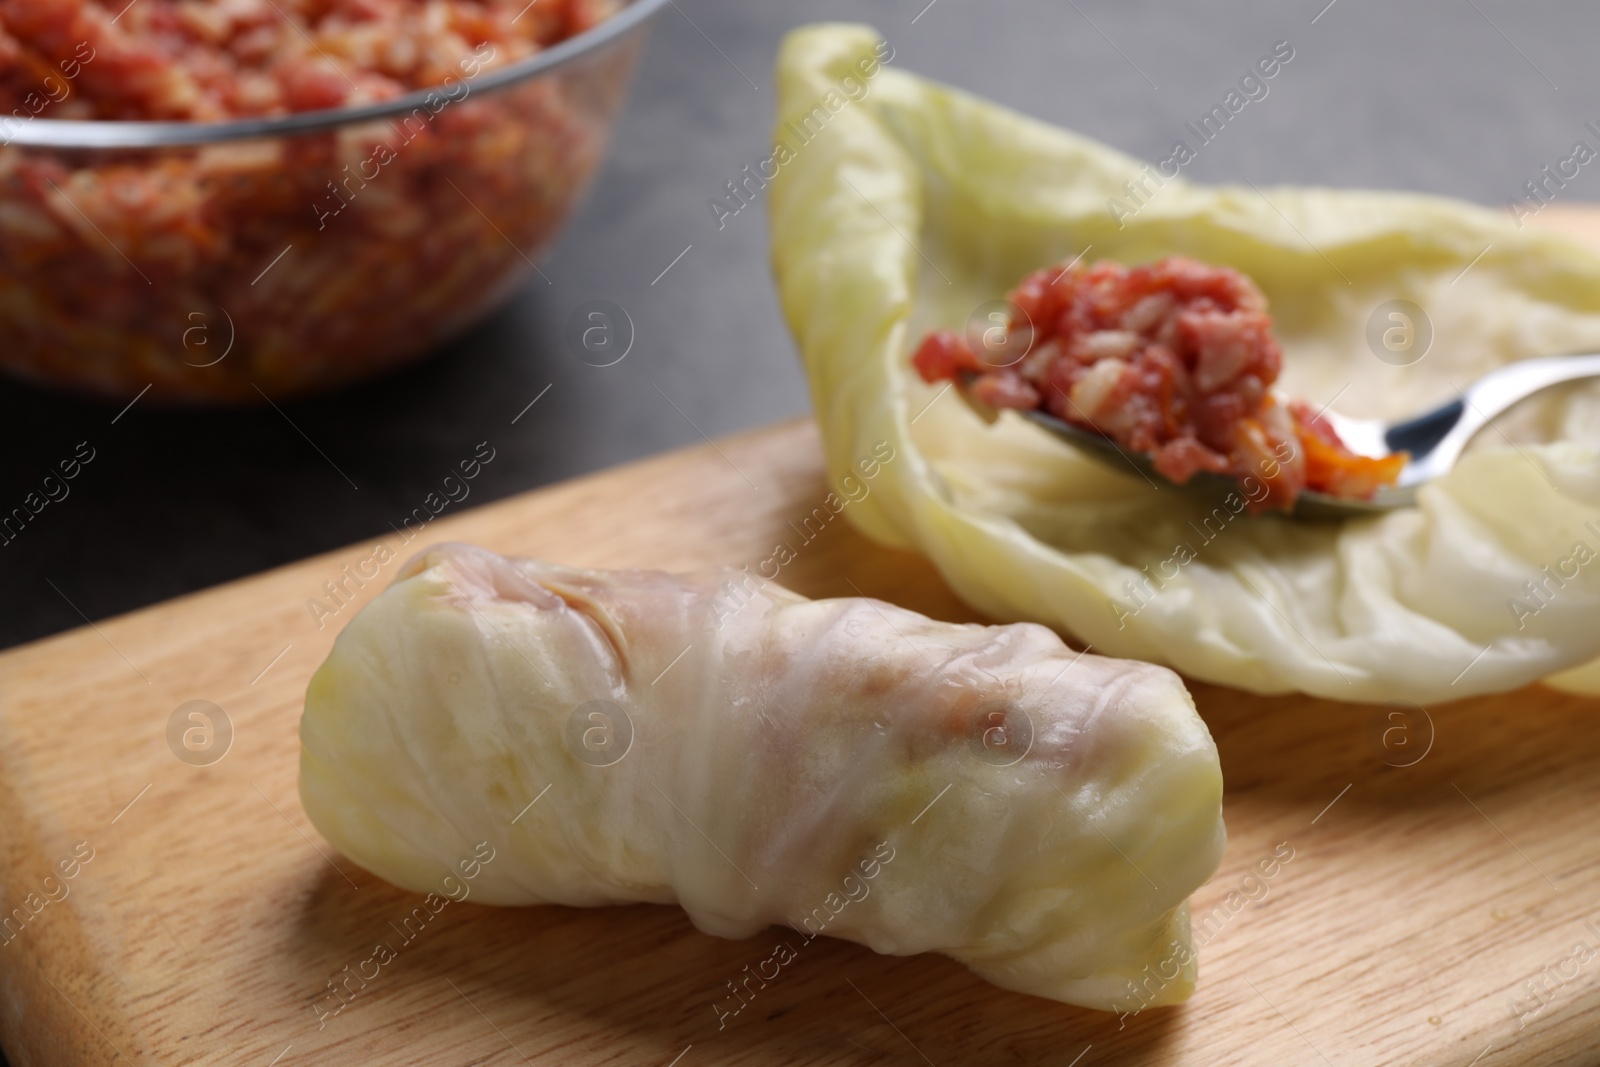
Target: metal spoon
pixel 1434 439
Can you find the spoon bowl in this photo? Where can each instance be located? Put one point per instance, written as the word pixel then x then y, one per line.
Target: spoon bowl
pixel 1435 439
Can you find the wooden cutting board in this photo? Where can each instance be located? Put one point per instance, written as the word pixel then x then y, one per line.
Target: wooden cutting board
pixel 1419 908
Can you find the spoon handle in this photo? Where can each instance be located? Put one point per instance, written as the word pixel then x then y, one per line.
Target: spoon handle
pixel 1489 396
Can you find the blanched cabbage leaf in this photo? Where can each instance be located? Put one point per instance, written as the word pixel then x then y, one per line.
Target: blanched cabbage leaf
pixel 900 206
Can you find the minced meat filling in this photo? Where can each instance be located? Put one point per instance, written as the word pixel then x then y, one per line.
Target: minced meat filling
pixel 1174 359
pixel 212 60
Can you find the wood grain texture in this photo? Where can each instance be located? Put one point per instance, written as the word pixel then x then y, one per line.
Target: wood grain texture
pixel 1420 905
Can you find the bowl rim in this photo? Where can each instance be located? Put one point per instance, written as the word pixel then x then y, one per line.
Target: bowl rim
pixel 115 134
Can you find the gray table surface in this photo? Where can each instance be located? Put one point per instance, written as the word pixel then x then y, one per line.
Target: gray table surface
pixel 1458 97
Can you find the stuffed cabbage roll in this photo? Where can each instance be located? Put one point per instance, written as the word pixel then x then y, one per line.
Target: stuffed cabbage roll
pixel 844 767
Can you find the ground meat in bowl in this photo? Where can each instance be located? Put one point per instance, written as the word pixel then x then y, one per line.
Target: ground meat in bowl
pixel 211 60
pixel 283 264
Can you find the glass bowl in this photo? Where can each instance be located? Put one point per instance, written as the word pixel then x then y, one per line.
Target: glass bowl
pixel 224 262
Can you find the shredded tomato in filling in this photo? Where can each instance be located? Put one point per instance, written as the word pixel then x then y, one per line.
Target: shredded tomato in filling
pixel 1173 359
